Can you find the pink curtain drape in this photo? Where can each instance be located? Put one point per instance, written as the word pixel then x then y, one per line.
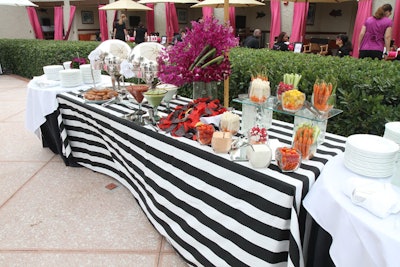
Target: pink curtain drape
pixel 58 23
pixel 150 19
pixel 232 18
pixel 171 20
pixel 299 22
pixel 33 19
pixel 103 24
pixel 396 24
pixel 72 10
pixel 275 28
pixel 207 12
pixel 364 11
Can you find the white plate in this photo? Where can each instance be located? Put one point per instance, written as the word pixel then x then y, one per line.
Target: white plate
pixel 97 101
pixel 367 172
pixel 372 144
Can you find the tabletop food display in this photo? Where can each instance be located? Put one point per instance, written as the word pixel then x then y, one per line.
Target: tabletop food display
pixel 189 136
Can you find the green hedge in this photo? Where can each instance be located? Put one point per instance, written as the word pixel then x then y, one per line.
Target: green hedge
pixel 368 90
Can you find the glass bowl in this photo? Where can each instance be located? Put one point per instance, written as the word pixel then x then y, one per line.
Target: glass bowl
pixel 204 133
pixel 307 150
pixel 288 159
pixel 282 87
pixel 293 100
pixel 229 122
pixel 323 104
pixel 258 135
pixel 259 90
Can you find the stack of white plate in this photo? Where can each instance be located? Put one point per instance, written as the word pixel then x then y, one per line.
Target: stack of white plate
pixel 392 132
pixel 67 65
pixel 51 72
pixel 86 71
pixel 70 78
pixel 370 155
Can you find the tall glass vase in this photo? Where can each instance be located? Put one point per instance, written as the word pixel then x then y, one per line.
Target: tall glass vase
pixel 205 89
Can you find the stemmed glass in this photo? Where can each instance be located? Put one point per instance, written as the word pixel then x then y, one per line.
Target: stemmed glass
pixel 137 92
pixel 149 72
pixel 113 68
pixel 154 97
pixel 171 91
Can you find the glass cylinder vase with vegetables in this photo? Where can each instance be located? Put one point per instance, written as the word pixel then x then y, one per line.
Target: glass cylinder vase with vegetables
pixel 324 94
pixel 305 139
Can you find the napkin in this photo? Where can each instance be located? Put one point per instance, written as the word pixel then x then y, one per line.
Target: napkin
pixel 378 198
pixel 43 82
pixel 211 120
pixel 126 69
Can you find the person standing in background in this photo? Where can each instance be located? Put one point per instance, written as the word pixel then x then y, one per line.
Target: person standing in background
pixel 140 34
pixel 253 41
pixel 179 37
pixel 376 34
pixel 120 31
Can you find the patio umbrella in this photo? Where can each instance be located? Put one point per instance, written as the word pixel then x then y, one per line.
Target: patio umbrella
pixel 168 1
pixel 125 5
pixel 16 3
pixel 322 1
pixel 226 4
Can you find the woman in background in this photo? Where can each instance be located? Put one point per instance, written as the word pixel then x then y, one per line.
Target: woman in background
pixel 376 34
pixel 282 42
pixel 140 34
pixel 120 31
pixel 344 44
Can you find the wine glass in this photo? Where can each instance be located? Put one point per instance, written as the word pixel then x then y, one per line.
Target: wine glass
pixel 154 97
pixel 136 92
pixel 113 68
pixel 149 77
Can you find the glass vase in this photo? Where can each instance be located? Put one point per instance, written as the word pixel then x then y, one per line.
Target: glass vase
pixel 205 89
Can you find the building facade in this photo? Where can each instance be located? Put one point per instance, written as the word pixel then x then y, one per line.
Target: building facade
pixel 326 20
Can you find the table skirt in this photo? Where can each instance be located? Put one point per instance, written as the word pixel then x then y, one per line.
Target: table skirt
pixel 213 211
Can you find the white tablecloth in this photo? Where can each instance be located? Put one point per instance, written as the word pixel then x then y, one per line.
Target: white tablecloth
pixel 359 238
pixel 41 99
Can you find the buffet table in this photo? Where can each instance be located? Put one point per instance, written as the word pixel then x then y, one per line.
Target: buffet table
pixel 41 115
pixel 359 237
pixel 213 211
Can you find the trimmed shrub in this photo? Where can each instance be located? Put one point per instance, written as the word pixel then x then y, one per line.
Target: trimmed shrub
pixel 368 90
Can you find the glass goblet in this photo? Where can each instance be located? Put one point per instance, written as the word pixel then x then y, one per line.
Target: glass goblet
pixel 154 97
pixel 137 91
pixel 171 91
pixel 149 78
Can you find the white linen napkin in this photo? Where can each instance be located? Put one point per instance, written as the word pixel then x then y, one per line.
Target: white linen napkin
pixel 211 120
pixel 43 82
pixel 378 198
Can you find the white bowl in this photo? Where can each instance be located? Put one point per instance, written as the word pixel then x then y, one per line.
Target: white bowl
pixel 51 72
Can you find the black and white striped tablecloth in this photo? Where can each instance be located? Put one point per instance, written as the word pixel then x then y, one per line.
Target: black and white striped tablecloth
pixel 213 211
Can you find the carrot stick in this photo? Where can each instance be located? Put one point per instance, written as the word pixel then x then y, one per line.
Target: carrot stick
pixel 316 93
pixel 330 86
pixel 322 93
pixel 308 145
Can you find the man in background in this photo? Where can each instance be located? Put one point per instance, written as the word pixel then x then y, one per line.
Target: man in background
pixel 253 41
